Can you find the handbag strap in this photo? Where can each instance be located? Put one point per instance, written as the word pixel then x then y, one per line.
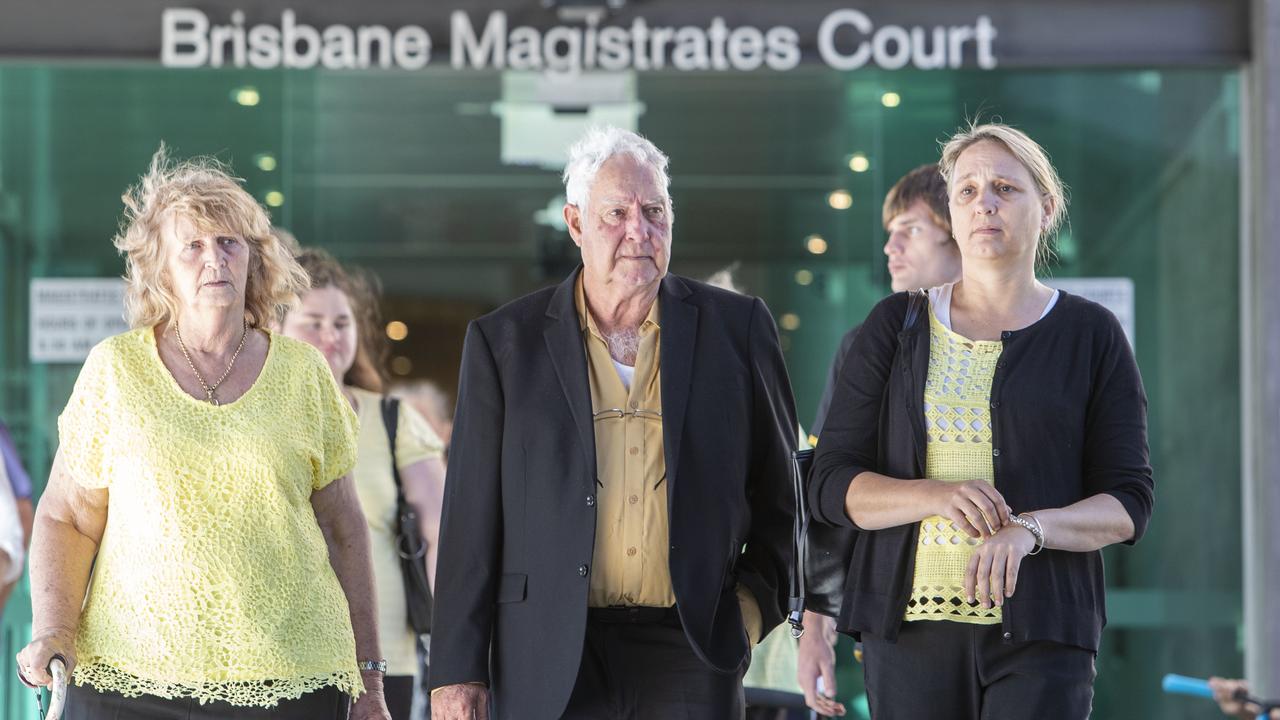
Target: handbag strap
pixel 801 461
pixel 918 300
pixel 391 421
pixel 801 465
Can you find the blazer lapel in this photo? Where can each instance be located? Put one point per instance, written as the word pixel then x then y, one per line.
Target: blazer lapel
pixel 563 334
pixel 679 330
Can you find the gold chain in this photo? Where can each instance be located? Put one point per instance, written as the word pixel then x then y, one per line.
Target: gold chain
pixel 208 390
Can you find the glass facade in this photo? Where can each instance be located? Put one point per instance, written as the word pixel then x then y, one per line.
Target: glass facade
pixel 403 173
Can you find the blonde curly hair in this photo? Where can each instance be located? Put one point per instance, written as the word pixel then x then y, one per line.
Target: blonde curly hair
pixel 203 191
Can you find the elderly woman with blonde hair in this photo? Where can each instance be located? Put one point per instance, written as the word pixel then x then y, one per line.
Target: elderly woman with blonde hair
pixel 203 474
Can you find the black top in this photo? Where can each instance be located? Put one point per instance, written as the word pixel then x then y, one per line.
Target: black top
pixel 1069 421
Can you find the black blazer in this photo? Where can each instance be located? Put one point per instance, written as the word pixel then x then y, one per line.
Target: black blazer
pixel 519 514
pixel 1069 421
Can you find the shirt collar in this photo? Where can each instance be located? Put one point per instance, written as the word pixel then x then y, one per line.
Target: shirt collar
pixel 588 323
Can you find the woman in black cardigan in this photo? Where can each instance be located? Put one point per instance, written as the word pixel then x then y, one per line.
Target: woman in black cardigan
pixel 986 451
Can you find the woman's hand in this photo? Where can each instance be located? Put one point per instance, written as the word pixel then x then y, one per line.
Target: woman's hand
pixel 975 507
pixel 372 705
pixel 992 573
pixel 34 659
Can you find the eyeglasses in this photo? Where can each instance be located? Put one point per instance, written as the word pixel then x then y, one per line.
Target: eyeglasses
pixel 618 413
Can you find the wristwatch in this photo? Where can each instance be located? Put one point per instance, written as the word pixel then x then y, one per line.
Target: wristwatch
pixel 379 665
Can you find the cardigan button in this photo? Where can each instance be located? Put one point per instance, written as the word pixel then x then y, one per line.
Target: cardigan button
pixel 995 404
pixel 995 452
pixel 1008 636
pixel 1006 335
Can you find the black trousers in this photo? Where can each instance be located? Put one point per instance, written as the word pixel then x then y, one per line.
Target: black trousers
pixel 637 664
pixel 954 671
pixel 398 692
pixel 85 702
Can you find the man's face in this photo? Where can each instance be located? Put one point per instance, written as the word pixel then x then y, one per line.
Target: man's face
pixel 625 229
pixel 921 254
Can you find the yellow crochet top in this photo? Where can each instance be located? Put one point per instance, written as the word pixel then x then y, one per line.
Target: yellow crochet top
pixel 957 394
pixel 212 580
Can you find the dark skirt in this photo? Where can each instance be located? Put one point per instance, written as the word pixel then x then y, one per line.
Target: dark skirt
pixel 85 702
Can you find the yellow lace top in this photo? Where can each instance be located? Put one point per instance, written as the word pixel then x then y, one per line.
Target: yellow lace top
pixel 212 580
pixel 957 415
pixel 376 488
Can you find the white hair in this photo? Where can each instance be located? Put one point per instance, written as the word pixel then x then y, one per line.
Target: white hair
pixel 595 148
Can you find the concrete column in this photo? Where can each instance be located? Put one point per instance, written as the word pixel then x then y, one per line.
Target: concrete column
pixel 1260 345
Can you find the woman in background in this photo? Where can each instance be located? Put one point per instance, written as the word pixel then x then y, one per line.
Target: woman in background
pixel 338 316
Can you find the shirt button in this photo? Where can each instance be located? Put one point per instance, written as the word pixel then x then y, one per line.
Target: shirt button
pixel 635 451
pixel 591 500
pixel 635 405
pixel 633 499
pixel 582 570
pixel 631 552
pixel 996 452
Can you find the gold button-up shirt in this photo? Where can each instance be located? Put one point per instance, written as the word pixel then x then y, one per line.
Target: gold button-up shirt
pixel 630 561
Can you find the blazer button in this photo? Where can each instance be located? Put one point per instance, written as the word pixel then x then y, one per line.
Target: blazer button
pixel 582 570
pixel 591 501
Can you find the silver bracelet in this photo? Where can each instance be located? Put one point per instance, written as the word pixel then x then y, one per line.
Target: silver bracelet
pixel 1032 526
pixel 379 665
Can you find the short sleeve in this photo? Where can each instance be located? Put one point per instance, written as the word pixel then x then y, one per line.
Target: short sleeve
pixel 415 440
pixel 10 533
pixel 85 422
pixel 338 430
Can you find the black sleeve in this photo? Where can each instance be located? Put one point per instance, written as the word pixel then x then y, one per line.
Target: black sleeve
pixel 764 565
pixel 833 373
pixel 850 436
pixel 471 524
pixel 1117 458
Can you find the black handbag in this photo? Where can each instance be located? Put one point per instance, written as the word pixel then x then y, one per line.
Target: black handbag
pixel 409 543
pixel 821 553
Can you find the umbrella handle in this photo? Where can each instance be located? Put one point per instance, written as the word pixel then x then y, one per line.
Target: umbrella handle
pixel 58 690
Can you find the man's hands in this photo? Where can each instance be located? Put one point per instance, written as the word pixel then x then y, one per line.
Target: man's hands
pixel 817 661
pixel 463 701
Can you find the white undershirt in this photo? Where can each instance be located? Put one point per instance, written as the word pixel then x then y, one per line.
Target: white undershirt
pixel 626 373
pixel 940 299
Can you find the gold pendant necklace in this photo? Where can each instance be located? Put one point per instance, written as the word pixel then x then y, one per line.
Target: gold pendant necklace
pixel 210 389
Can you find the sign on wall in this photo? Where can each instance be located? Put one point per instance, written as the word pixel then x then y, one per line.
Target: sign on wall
pixel 846 39
pixel 1112 293
pixel 71 315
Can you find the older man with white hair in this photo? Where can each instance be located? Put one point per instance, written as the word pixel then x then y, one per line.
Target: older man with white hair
pixel 617 510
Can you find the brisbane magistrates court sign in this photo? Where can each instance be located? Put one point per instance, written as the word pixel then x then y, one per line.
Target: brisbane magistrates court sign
pixel 847 39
